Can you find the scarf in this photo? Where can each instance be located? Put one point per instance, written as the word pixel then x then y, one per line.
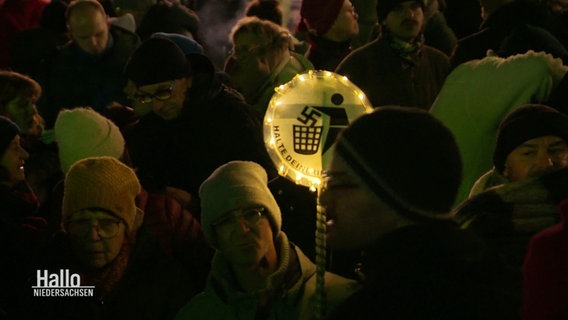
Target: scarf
pixel 408 51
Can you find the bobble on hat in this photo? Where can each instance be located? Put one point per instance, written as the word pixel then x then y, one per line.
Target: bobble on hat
pixel 8 131
pixel 104 183
pixel 157 60
pixel 82 133
pixel 406 157
pixel 236 185
pixel 319 15
pixel 525 123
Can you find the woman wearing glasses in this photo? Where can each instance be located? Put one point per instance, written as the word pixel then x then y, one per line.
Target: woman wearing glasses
pixel 262 59
pixel 103 244
pixel 257 273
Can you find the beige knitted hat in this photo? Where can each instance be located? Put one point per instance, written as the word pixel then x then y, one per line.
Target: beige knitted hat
pixel 82 132
pixel 236 185
pixel 101 182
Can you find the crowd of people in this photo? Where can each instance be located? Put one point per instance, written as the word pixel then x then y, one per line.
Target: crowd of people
pixel 133 163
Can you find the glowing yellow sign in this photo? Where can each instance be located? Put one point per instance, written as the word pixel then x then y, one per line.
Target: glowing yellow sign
pixel 304 117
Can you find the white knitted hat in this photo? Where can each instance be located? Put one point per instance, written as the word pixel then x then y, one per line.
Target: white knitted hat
pixel 82 132
pixel 236 185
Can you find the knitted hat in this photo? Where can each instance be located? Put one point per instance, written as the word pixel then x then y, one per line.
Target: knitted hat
pixel 185 43
pixel 319 15
pixel 386 6
pixel 82 133
pixel 8 130
pixel 525 123
pixel 157 60
pixel 236 185
pixel 406 157
pixel 104 183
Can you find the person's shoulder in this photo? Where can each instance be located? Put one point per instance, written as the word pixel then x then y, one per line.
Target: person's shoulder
pixel 368 48
pixel 123 34
pixel 126 41
pixel 433 52
pixel 488 180
pixel 360 55
pixel 232 103
pixel 484 212
pixel 299 63
pixel 204 305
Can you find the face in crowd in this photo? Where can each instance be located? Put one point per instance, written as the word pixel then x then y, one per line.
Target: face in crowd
pixel 254 58
pixel 23 111
pixel 165 99
pixel 13 160
pixel 245 237
pixel 536 156
pixel 406 20
pixel 345 26
pixel 89 28
pixel 356 217
pixel 97 237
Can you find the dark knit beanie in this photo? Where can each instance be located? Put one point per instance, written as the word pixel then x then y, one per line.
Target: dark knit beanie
pixel 525 123
pixel 406 157
pixel 320 15
pixel 8 130
pixel 385 6
pixel 157 60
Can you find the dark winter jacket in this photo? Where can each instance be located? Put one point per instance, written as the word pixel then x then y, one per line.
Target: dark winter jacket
pixel 22 236
pixel 325 54
pixel 387 79
pixel 179 234
pixel 216 126
pixel 507 216
pixel 501 24
pixel 72 78
pixel 428 271
pixel 152 287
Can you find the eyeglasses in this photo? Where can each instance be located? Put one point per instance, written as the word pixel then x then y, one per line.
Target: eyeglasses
pixel 252 216
pixel 244 52
pixel 106 228
pixel 161 94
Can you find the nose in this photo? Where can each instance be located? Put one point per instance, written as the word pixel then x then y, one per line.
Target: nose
pixel 353 12
pixel 24 155
pixel 243 224
pixel 93 42
pixel 545 160
pixel 30 110
pixel 157 105
pixel 94 232
pixel 408 12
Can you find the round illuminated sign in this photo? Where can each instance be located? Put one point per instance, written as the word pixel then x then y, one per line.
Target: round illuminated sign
pixel 303 118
